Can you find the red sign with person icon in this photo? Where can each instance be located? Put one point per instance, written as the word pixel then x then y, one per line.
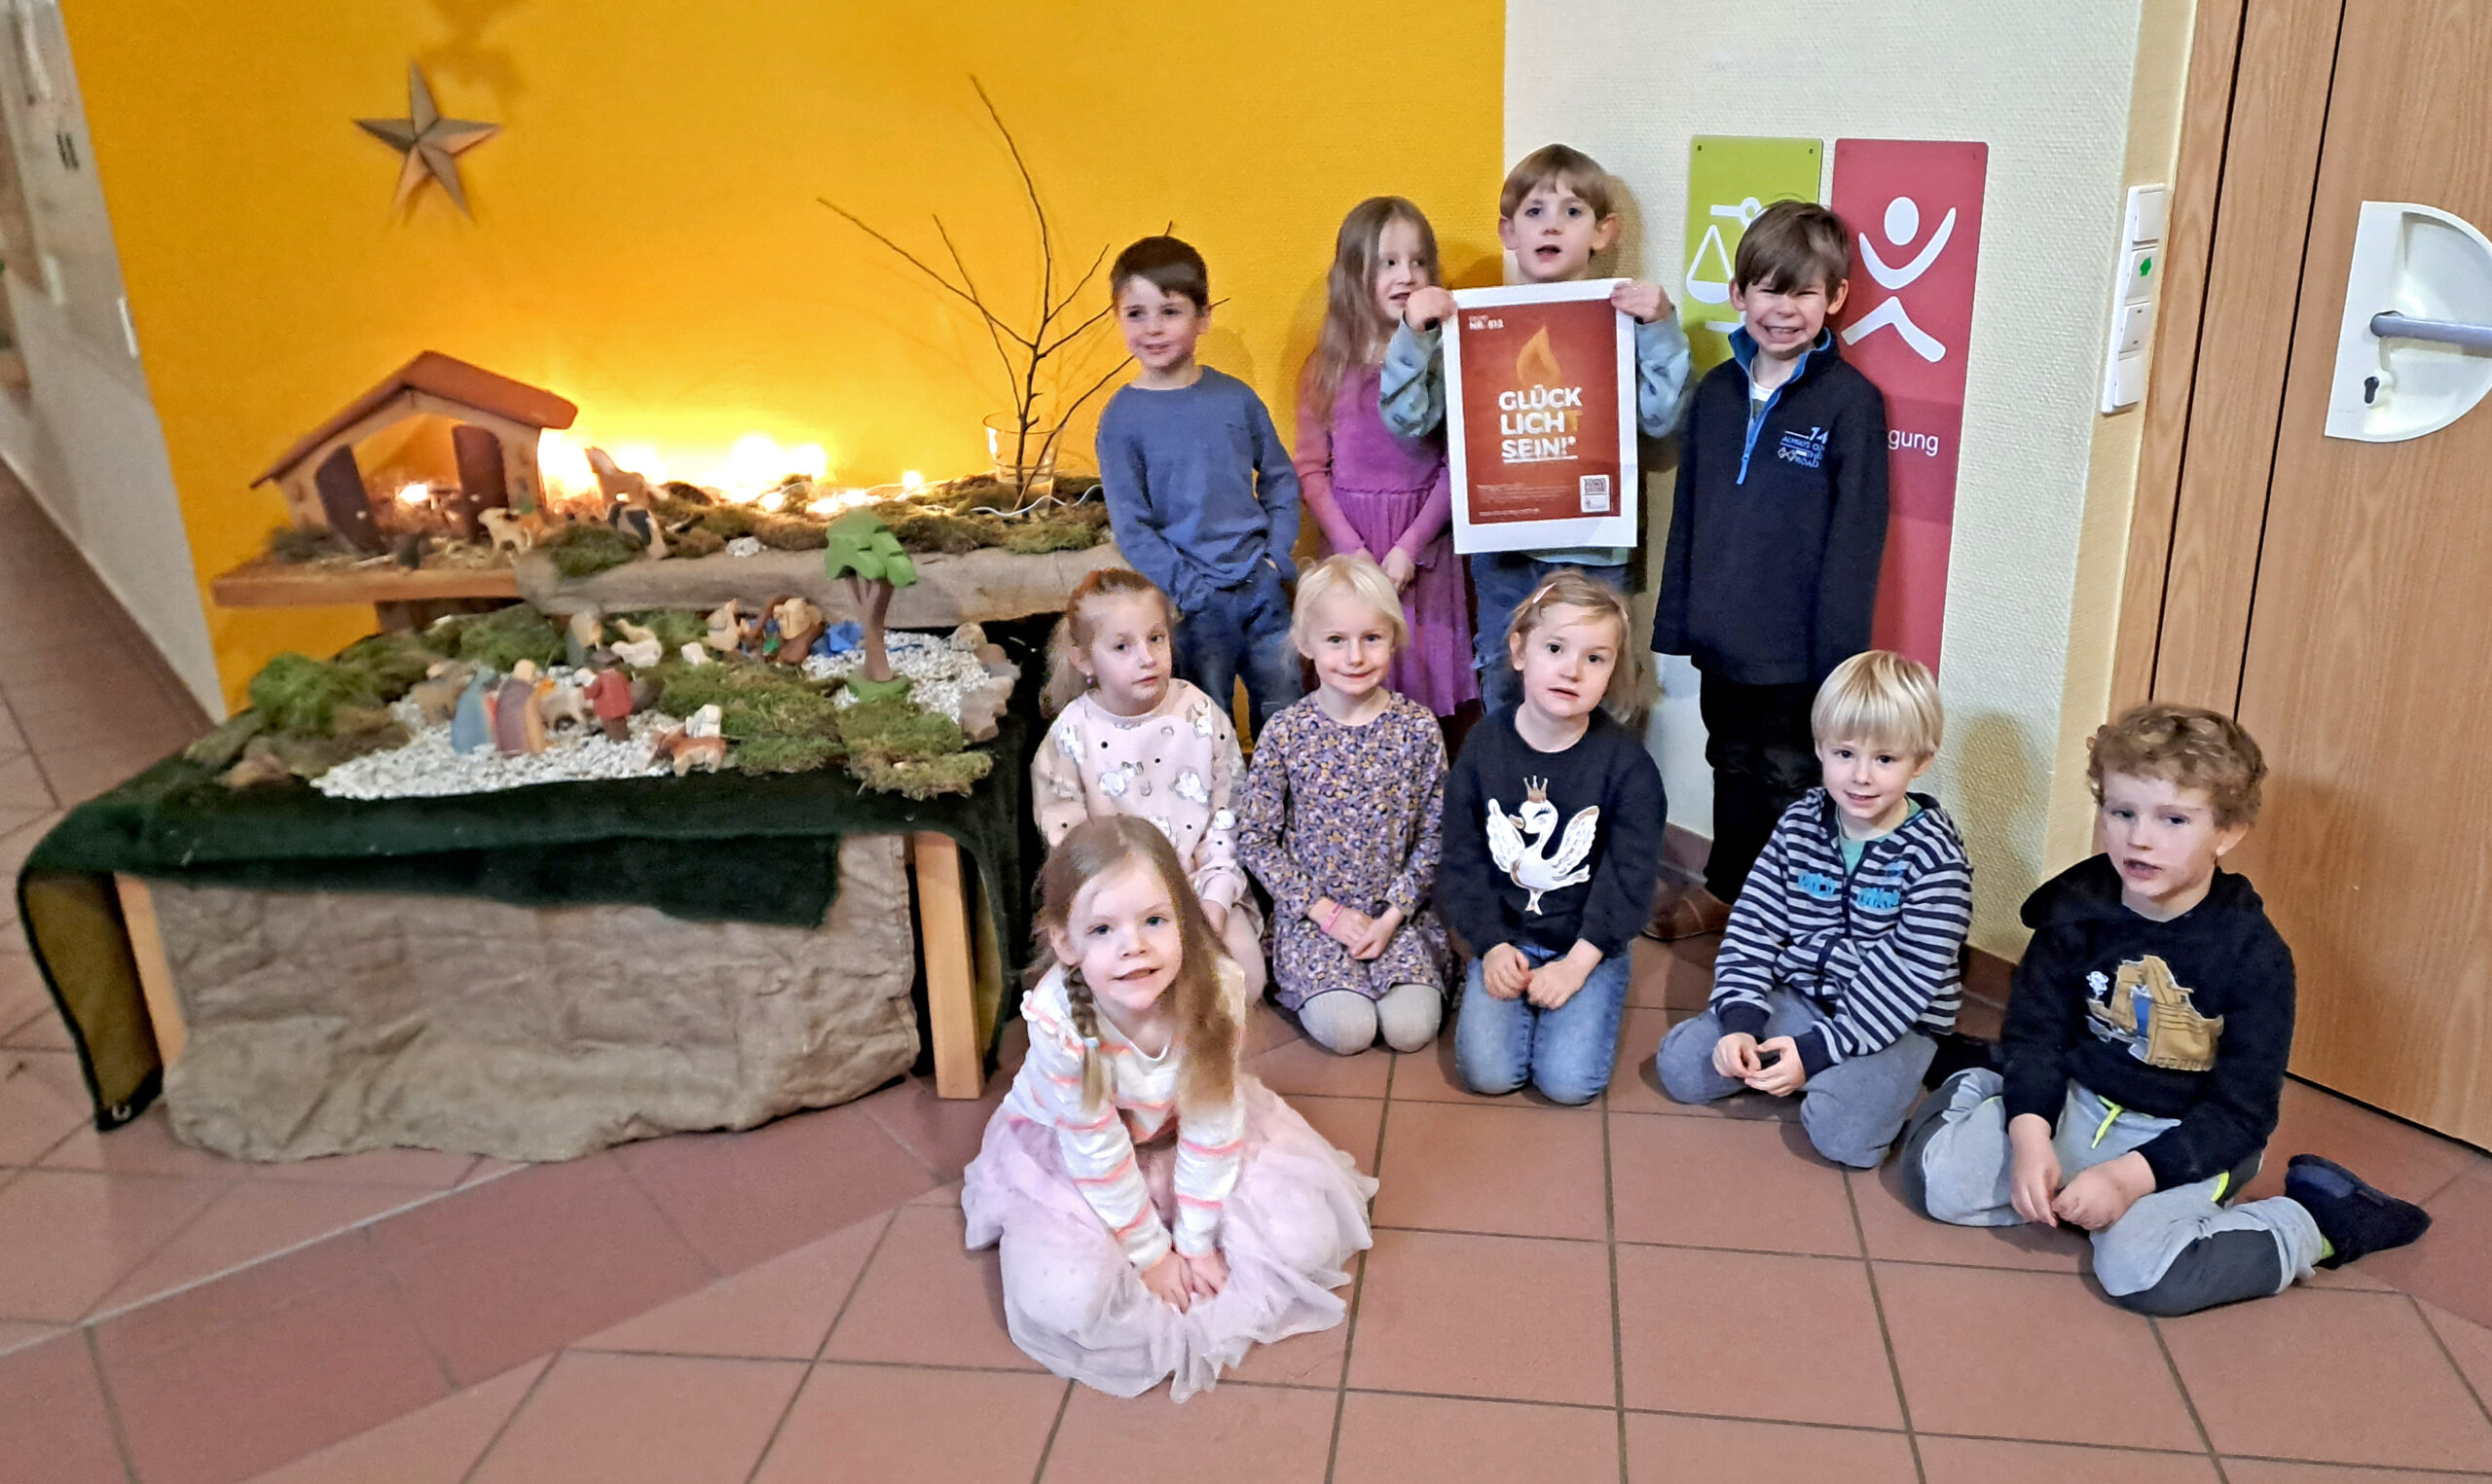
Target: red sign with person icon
pixel 1914 212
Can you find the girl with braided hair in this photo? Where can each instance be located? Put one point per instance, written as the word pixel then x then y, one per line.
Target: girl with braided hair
pixel 1157 1210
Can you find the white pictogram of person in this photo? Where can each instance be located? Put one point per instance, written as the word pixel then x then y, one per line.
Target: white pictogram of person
pixel 1902 223
pixel 1718 290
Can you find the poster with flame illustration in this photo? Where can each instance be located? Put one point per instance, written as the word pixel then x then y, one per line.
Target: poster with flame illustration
pixel 1540 417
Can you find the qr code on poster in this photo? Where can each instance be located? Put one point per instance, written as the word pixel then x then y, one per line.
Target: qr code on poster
pixel 1593 490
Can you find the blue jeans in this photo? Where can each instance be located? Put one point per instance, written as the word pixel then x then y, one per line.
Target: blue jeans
pixel 1242 634
pixel 1500 581
pixel 1500 1045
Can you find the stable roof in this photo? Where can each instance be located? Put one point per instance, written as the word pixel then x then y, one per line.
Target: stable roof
pixel 445 376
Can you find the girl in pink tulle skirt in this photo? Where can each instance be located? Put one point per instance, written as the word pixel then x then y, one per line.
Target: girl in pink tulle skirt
pixel 1158 1212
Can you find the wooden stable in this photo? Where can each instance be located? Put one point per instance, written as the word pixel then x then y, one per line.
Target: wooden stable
pixel 494 440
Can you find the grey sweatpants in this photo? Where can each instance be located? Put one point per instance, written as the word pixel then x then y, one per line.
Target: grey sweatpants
pixel 2175 1251
pixel 1852 1110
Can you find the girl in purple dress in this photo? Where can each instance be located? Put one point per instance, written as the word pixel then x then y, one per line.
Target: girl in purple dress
pixel 1375 495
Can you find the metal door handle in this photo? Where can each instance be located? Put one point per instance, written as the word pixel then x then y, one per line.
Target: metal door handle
pixel 2388 324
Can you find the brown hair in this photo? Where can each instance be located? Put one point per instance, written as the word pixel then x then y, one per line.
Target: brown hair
pixel 1569 588
pixel 1564 163
pixel 1074 630
pixel 1354 333
pixel 1165 264
pixel 1207 1022
pixel 1793 245
pixel 2188 746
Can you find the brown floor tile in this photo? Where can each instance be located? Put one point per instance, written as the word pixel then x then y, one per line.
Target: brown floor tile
pixel 869 1424
pixel 1267 1027
pixel 247 1296
pixel 1348 1124
pixel 1721 1182
pixel 946 1194
pixel 23 996
pixel 1753 1334
pixel 1519 1171
pixel 1634 1086
pixel 252 1222
pixel 411 1169
pixel 22 784
pixel 1672 976
pixel 2275 1471
pixel 1895 1231
pixel 251 1396
pixel 1386 1439
pixel 144 1146
pixel 1300 1066
pixel 2452 1265
pixel 2469 1344
pixel 663 1419
pixel 2032 1355
pixel 739 1198
pixel 42 1100
pixel 1706 1450
pixel 52 1422
pixel 1426 1075
pixel 1515 1318
pixel 780 1310
pixel 533 1261
pixel 19 843
pixel 2399 1158
pixel 1242 1433
pixel 45 1031
pixel 1981 1460
pixel 435 1445
pixel 927 1300
pixel 17 1334
pixel 2348 1378
pixel 70 1235
pixel 943 1133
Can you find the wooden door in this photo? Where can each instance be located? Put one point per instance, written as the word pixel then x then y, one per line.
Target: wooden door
pixel 2367 671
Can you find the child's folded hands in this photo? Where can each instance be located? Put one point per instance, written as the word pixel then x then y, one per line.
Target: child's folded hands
pixel 1503 971
pixel 2034 1173
pixel 1378 932
pixel 1787 1075
pixel 1166 1280
pixel 1735 1056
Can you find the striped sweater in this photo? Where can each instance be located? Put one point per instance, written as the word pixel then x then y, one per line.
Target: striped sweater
pixel 1098 1142
pixel 1875 948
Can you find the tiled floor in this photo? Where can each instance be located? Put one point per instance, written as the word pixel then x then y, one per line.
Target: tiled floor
pixel 1630 1292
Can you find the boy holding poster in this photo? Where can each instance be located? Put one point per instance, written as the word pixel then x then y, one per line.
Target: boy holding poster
pixel 1553 215
pixel 1780 519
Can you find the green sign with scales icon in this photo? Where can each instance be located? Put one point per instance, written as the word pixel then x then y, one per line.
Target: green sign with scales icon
pixel 1729 179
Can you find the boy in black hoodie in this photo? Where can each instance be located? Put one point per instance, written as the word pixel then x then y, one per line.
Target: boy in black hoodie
pixel 2147 1036
pixel 1778 526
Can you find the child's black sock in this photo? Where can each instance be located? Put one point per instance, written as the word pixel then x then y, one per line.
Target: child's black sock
pixel 2354 1218
pixel 1958 1051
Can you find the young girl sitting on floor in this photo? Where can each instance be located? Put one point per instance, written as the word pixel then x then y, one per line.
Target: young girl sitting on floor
pixel 1374 493
pixel 1553 838
pixel 1131 739
pixel 1159 1210
pixel 1339 824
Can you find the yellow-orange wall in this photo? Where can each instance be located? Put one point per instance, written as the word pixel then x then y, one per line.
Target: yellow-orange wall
pixel 647 239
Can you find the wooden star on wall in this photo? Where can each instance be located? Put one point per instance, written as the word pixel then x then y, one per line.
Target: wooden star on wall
pixel 432 143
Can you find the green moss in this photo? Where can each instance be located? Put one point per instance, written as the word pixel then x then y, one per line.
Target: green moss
pixel 223 745
pixel 395 662
pixel 728 521
pixel 301 695
pixel 754 700
pixel 695 542
pixel 924 777
pixel 505 637
pixel 895 728
pixel 785 755
pixel 584 551
pixel 790 534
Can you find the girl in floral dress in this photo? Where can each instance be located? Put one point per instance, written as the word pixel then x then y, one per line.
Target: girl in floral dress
pixel 1340 823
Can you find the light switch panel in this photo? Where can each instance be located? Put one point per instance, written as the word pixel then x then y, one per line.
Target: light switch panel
pixel 2149 207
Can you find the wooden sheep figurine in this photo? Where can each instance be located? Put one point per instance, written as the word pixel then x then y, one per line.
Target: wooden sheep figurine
pixel 507 533
pixel 641 649
pixel 687 752
pixel 563 702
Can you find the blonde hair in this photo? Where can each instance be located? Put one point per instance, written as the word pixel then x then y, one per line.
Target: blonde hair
pixel 1884 698
pixel 1354 329
pixel 1564 165
pixel 1569 588
pixel 1075 630
pixel 1356 575
pixel 1207 1025
pixel 2188 746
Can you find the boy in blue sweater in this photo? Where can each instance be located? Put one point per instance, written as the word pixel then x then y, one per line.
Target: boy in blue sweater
pixel 1553 215
pixel 1201 492
pixel 1772 568
pixel 1839 965
pixel 2148 1029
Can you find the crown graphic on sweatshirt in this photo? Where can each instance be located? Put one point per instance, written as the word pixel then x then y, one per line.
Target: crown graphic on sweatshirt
pixel 1535 790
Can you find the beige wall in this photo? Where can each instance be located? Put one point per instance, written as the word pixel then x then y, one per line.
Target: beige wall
pixel 2072 115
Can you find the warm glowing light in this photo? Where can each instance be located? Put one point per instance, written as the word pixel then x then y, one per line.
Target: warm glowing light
pixel 775 501
pixel 757 462
pixel 415 495
pixel 830 505
pixel 912 481
pixel 642 460
pixel 810 461
pixel 563 462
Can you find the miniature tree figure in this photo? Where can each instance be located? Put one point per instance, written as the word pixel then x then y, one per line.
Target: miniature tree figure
pixel 863 552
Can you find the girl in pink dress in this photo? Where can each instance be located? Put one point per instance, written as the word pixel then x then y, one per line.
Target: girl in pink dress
pixel 1159 1212
pixel 1372 491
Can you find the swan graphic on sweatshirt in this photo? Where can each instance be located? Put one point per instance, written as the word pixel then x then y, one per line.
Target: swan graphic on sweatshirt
pixel 1520 844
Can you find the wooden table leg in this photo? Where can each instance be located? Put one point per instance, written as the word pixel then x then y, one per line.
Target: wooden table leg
pixel 154 972
pixel 951 978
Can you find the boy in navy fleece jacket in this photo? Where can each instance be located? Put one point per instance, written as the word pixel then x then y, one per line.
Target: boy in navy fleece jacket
pixel 1780 524
pixel 2148 1029
pixel 1838 965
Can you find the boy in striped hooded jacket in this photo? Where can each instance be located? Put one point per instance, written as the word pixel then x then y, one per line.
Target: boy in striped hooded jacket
pixel 1839 963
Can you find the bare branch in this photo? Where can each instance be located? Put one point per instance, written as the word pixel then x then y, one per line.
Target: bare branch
pixel 995 330
pixel 911 257
pixel 1073 334
pixel 1029 185
pixel 1081 282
